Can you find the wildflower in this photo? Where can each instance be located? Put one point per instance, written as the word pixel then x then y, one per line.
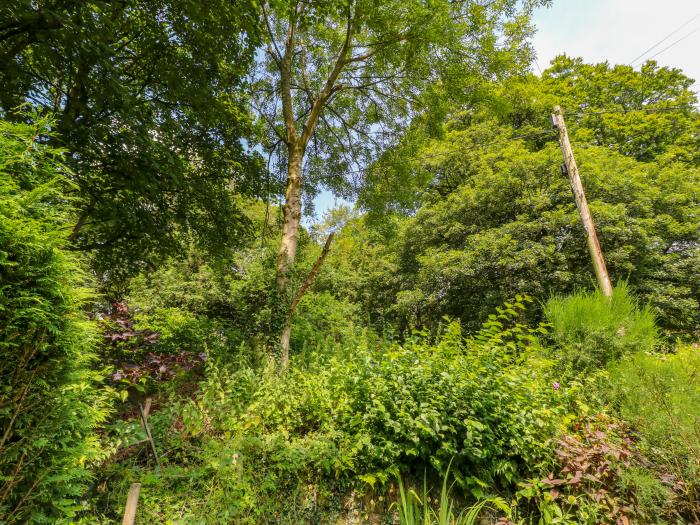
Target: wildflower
pixel 555 385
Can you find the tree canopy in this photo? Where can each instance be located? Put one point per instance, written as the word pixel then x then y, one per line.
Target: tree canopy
pixel 174 319
pixel 495 217
pixel 150 105
pixel 338 79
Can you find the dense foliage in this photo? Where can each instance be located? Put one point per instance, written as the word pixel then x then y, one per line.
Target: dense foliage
pixel 356 411
pixel 589 332
pixel 658 394
pixel 150 107
pixel 438 354
pixel 496 217
pixel 50 400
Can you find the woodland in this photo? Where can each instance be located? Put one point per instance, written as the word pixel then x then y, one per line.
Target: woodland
pixel 186 339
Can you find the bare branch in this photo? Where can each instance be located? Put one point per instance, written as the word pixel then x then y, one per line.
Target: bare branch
pixel 304 74
pixel 269 121
pixel 275 54
pixel 320 102
pixel 363 57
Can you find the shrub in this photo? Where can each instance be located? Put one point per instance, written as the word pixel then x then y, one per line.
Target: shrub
pixel 49 403
pixel 659 395
pixel 321 316
pixel 599 478
pixel 146 354
pixel 486 401
pixel 419 405
pixel 265 447
pixel 590 330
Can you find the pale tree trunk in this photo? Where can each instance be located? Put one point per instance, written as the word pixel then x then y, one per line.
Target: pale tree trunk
pixel 291 220
pixel 284 343
pixel 290 237
pixel 296 145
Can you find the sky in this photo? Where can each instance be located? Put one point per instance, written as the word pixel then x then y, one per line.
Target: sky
pixel 619 31
pixel 614 30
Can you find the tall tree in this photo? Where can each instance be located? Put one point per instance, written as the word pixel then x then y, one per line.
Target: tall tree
pixel 150 106
pixel 339 80
pixel 490 214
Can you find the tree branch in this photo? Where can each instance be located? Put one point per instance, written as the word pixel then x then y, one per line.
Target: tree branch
pixel 286 81
pixel 311 277
pixel 320 102
pixel 275 54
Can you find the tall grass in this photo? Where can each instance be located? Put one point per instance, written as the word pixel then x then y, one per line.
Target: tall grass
pixel 415 509
pixel 660 395
pixel 590 330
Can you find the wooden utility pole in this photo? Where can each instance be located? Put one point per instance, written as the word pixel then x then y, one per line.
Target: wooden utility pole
pixel 601 272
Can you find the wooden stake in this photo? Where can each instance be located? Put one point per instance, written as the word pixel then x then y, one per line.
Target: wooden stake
pixel 601 272
pixel 144 420
pixel 132 500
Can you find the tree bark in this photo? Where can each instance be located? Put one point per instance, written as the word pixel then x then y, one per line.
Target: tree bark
pixel 296 147
pixel 291 219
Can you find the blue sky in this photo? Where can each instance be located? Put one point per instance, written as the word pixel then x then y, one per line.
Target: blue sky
pixel 613 30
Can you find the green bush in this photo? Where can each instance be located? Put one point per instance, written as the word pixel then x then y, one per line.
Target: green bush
pixel 320 316
pixel 49 402
pixel 416 405
pixel 257 446
pixel 660 396
pixel 589 330
pixel 476 401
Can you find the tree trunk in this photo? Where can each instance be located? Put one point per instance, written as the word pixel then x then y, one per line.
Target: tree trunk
pixel 290 236
pixel 292 220
pixel 284 343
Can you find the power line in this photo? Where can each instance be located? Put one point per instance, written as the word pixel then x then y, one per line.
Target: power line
pixel 676 42
pixel 665 38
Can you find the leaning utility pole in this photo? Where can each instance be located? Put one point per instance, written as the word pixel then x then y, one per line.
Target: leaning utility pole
pixel 601 272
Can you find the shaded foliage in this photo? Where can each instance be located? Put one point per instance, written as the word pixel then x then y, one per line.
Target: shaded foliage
pixel 150 106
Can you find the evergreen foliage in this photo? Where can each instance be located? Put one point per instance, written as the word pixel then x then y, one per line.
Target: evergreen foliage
pixel 50 403
pixel 590 331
